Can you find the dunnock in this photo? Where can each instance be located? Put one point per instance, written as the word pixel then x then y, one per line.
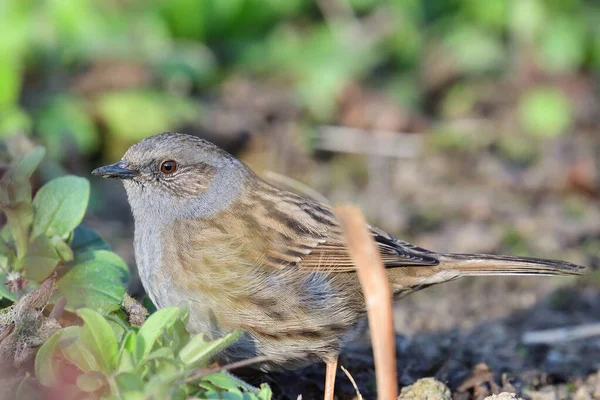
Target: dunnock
pixel 245 254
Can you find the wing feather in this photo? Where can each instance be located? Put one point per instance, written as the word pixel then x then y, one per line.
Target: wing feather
pixel 280 229
pixel 314 240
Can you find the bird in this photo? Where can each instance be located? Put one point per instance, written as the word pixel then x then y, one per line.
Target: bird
pixel 247 255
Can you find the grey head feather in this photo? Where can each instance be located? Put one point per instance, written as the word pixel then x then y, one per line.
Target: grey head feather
pixel 151 202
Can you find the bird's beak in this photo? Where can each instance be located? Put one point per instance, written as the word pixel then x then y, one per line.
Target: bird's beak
pixel 118 170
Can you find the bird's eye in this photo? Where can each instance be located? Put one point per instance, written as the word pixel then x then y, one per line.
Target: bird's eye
pixel 168 167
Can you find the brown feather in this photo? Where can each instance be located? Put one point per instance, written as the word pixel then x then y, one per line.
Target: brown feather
pixel 292 230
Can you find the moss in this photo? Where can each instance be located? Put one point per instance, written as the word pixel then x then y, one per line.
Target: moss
pixel 426 389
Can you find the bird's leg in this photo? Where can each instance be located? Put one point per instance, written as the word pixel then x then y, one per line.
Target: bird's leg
pixel 330 378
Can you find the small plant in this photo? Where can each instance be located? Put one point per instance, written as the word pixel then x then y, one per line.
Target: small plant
pixel 43 235
pixel 47 257
pixel 160 360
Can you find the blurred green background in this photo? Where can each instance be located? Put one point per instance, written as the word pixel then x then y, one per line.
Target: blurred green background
pixel 462 125
pixel 94 76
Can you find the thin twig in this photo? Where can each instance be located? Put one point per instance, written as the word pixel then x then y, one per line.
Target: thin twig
pixel 378 298
pixel 228 367
pixel 352 381
pixel 559 335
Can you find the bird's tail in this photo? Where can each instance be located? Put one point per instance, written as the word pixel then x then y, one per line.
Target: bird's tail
pixel 452 266
pixel 484 264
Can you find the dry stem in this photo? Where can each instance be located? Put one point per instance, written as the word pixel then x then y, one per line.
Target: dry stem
pixel 378 298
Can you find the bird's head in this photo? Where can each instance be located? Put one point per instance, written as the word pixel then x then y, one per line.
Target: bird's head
pixel 169 171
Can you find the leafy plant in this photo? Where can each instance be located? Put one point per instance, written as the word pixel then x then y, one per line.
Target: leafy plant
pixel 106 357
pixel 160 360
pixel 43 235
pixel 545 112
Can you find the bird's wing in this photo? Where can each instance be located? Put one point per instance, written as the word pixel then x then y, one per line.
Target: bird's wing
pixel 280 229
pixel 314 240
pixel 333 255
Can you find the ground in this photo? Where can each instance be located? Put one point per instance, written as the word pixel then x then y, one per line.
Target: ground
pixel 450 192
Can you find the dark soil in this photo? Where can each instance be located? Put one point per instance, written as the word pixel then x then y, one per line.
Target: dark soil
pixel 453 355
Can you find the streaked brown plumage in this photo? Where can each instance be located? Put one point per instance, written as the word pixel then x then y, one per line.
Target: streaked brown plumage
pixel 246 254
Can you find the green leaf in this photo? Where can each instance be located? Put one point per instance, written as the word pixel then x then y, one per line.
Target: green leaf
pixel 175 337
pixel 11 78
pixel 133 396
pixel 15 195
pixel 225 381
pixel 5 234
pixel 126 359
pixel 4 249
pixel 97 280
pixel 6 255
pixel 527 18
pixel 98 337
pixel 183 17
pixel 168 369
pixel 233 394
pixel 175 334
pixel 91 381
pixel 40 260
pixel 155 325
pixel 161 352
pixel 66 124
pixel 474 50
pixel 14 191
pixel 198 350
pixel 192 352
pixel 159 386
pixel 125 362
pixel 119 327
pixel 14 121
pixel 563 46
pixel 60 205
pixel 62 249
pixel 73 349
pixel 155 112
pixel 86 239
pixel 130 342
pixel 19 216
pixel 265 392
pixel 45 365
pixel 545 112
pixel 186 63
pixel 128 382
pixel 27 165
pixel 490 14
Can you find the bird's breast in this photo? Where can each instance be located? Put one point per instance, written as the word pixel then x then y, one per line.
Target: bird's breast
pixel 216 267
pixel 149 252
